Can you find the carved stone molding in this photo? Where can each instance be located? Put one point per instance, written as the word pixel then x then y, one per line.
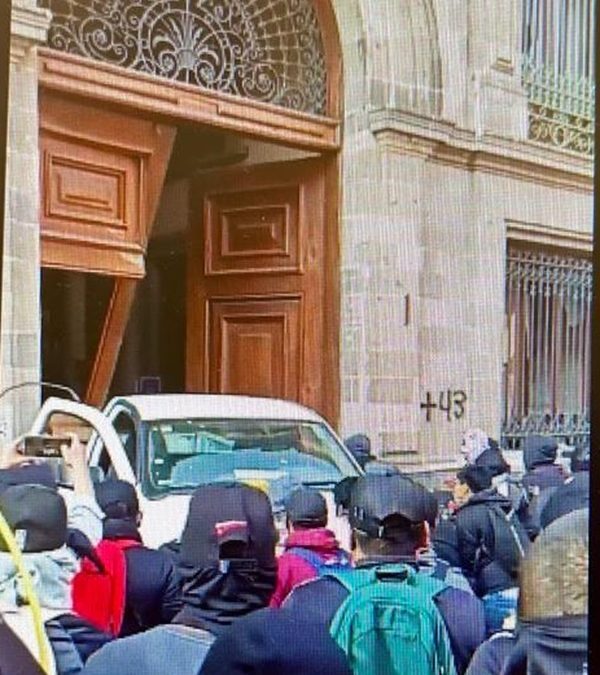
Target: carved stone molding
pixel 518 231
pixel 443 142
pixel 28 27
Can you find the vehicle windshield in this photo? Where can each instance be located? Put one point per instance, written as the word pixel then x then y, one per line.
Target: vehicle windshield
pixel 276 456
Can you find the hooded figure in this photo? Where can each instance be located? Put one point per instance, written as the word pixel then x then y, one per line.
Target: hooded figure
pixel 491 539
pixel 539 457
pixel 152 592
pixel 542 477
pixel 488 465
pixel 310 547
pixel 228 569
pixel 553 606
pixel 38 517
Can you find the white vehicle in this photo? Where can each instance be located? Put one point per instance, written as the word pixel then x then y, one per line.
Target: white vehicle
pixel 169 444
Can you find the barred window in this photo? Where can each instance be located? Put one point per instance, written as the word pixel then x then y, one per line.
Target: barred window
pixel 266 50
pixel 558 44
pixel 559 34
pixel 547 375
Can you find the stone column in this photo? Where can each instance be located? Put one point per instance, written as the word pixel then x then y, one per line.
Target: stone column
pixel 20 321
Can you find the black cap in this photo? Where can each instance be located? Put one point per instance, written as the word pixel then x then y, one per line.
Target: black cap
pixel 306 507
pixel 374 498
pixel 37 515
pixel 36 473
pixel 117 498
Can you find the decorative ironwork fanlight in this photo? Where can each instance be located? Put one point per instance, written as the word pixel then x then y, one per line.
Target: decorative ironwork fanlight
pixel 266 50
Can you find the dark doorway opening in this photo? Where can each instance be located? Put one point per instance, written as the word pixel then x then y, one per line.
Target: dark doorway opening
pixel 74 305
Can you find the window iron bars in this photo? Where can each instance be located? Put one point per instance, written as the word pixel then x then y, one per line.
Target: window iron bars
pixel 265 50
pixel 558 72
pixel 547 372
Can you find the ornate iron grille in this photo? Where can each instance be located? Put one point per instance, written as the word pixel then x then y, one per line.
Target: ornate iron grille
pixel 547 373
pixel 559 72
pixel 266 50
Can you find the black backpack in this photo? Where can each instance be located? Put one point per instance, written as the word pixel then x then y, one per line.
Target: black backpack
pixel 511 541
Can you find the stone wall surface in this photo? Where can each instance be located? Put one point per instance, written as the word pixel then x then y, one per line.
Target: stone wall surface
pixel 20 320
pixel 437 173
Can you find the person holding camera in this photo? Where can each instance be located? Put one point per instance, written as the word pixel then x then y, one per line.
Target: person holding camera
pixel 42 518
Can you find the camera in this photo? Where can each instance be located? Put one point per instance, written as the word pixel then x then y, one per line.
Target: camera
pixel 44 446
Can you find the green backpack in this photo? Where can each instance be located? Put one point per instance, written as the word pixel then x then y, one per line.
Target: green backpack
pixel 389 624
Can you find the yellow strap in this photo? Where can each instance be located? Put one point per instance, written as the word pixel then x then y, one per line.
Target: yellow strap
pixel 34 605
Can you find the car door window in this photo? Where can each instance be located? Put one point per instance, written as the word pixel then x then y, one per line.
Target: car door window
pixel 125 428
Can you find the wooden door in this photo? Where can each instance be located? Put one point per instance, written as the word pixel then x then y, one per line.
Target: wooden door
pixel 256 284
pixel 101 176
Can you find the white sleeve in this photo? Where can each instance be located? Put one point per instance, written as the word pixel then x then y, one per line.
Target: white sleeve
pixel 84 514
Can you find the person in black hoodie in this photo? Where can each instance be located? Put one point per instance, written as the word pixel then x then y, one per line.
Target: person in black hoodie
pixel 553 606
pixel 273 642
pixel 228 569
pixel 541 470
pixel 551 633
pixel 152 588
pixel 541 478
pixel 572 495
pixel 490 538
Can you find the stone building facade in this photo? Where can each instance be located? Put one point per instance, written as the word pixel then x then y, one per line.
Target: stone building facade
pixel 450 170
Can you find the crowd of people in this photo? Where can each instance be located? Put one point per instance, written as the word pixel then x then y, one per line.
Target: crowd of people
pixel 486 578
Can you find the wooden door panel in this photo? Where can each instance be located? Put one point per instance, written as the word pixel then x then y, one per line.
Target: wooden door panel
pixel 255 231
pixel 257 297
pixel 101 175
pixel 255 345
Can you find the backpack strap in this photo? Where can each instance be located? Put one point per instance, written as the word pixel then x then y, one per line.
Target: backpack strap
pixel 440 569
pixel 312 558
pixel 508 518
pixel 341 559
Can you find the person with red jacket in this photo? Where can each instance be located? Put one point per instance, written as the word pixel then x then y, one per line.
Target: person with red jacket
pixel 152 593
pixel 310 546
